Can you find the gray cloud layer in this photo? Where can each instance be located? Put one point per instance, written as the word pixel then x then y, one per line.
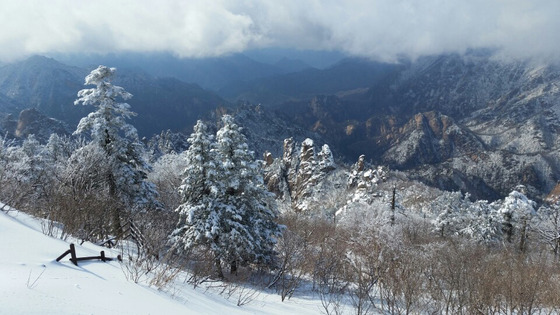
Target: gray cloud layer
pixel 380 29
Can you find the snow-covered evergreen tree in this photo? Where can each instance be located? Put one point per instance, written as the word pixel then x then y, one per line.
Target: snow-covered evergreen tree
pixel 248 229
pixel 198 192
pixel 548 225
pixel 226 206
pixel 483 222
pixel 109 131
pixel 452 216
pixel 455 215
pixel 517 211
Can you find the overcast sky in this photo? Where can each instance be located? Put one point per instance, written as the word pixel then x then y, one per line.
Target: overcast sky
pixel 380 29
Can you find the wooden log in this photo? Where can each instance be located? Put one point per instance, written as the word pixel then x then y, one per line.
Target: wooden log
pixel 73 259
pixel 88 258
pixel 103 258
pixel 63 255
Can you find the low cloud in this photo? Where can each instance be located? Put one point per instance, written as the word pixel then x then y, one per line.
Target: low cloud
pixel 379 29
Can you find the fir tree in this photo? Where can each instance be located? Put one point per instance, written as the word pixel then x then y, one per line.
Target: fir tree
pixel 198 192
pixel 226 207
pixel 127 169
pixel 248 209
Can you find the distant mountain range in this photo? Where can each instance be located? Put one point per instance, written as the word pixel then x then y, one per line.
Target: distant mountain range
pixel 210 73
pixel 347 75
pixel 469 122
pixel 51 87
pixel 457 122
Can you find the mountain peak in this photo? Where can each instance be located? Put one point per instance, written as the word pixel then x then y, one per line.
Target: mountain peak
pixel 43 61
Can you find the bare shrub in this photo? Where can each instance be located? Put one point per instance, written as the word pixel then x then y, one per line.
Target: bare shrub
pixel 364 263
pixel 401 281
pixel 138 264
pixel 154 228
pixel 332 302
pixel 524 282
pixel 291 249
pixel 466 278
pixel 200 263
pixel 135 268
pixel 330 271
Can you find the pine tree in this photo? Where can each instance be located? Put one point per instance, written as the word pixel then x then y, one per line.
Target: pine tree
pixel 109 131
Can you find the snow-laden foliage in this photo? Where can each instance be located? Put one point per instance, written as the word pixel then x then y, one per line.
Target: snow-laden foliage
pixel 456 215
pixel 196 194
pixel 248 210
pixel 482 222
pixel 167 174
pixel 517 212
pixel 109 118
pixel 548 225
pixel 109 131
pixel 27 171
pixel 225 205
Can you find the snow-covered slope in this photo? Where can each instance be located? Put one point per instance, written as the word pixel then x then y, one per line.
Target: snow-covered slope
pixel 32 282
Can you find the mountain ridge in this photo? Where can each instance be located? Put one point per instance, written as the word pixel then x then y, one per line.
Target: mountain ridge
pixel 455 122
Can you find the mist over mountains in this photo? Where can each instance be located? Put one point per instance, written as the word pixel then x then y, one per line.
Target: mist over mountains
pixel 459 122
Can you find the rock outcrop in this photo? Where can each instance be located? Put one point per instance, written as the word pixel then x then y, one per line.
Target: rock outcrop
pixel 296 176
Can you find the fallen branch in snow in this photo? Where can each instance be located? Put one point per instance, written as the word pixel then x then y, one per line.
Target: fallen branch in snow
pixel 74 259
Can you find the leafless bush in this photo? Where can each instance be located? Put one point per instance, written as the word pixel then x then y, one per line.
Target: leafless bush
pixel 83 214
pixel 332 302
pixel 238 287
pixel 450 277
pixel 163 275
pixel 134 269
pixel 136 265
pixel 330 272
pixel 154 227
pixel 364 261
pixel 293 254
pixel 401 282
pixel 200 263
pixel 291 249
pixel 523 282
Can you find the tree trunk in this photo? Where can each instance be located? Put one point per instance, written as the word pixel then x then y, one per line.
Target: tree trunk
pixel 393 207
pixel 523 236
pixel 218 265
pixel 508 227
pixel 116 211
pixel 233 267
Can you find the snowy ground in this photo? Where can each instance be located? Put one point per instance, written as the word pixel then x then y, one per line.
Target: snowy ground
pixel 32 282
